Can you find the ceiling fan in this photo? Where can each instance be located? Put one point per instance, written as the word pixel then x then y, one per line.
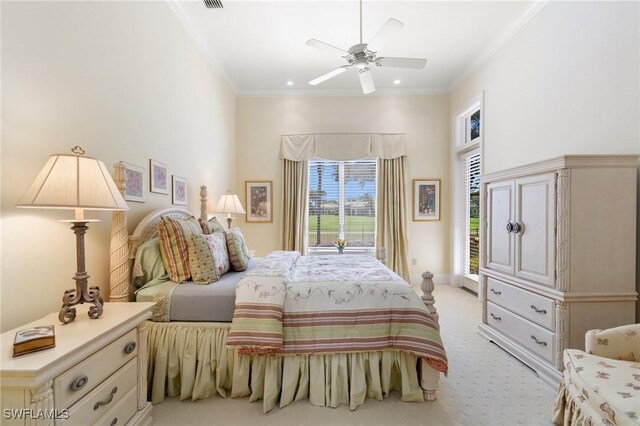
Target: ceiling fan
pixel 363 55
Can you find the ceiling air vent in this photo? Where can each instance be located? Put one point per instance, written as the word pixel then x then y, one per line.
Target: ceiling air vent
pixel 213 4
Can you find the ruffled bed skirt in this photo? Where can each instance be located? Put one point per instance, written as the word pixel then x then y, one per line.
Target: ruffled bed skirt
pixel 568 409
pixel 190 360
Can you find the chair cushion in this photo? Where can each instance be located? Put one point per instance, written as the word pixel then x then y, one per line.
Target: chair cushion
pixel 610 386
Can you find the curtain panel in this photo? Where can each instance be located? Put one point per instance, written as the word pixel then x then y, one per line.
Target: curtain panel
pixel 392 214
pixel 295 177
pixel 343 146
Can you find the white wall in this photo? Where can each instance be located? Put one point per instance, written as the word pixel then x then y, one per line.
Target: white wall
pixel 567 83
pixel 124 81
pixel 261 121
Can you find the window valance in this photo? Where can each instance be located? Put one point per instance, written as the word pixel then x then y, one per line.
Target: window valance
pixel 343 146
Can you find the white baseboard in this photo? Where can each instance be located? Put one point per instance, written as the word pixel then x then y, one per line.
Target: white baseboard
pixel 416 279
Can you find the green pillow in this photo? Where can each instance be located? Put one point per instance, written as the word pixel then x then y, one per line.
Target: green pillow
pixel 238 250
pixel 201 261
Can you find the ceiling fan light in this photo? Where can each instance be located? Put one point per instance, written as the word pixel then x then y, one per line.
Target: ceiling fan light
pixel 362 64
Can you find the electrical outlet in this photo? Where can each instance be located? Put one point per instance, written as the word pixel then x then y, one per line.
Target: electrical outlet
pixel 414 261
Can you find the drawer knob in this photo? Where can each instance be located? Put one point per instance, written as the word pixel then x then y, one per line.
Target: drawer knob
pixel 131 346
pixel 539 342
pixel 540 311
pixel 79 383
pixel 497 318
pixel 106 401
pixel 497 293
pixel 114 421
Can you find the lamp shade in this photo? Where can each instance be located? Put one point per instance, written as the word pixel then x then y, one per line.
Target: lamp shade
pixel 229 203
pixel 73 182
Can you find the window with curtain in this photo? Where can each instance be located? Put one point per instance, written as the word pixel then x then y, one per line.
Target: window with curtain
pixel 472 211
pixel 342 204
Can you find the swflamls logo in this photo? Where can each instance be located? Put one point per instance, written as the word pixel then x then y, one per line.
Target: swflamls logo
pixel 30 413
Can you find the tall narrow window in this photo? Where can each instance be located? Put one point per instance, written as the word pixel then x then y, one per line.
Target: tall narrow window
pixel 472 211
pixel 342 200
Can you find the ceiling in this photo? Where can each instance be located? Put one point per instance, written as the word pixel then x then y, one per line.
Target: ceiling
pixel 260 45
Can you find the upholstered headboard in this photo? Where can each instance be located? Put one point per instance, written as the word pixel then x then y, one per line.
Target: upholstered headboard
pixel 124 246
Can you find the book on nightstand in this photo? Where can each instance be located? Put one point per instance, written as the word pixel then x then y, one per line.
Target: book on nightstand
pixel 34 339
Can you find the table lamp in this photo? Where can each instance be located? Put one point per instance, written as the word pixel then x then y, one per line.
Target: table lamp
pixel 229 203
pixel 73 181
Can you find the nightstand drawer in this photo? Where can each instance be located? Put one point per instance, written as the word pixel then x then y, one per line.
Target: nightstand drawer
pixel 533 337
pixel 121 412
pixel 532 306
pixel 79 380
pixel 107 395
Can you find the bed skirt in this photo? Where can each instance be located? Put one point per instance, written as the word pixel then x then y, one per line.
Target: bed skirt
pixel 190 361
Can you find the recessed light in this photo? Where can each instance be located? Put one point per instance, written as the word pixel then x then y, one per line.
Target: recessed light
pixel 396 81
pixel 289 83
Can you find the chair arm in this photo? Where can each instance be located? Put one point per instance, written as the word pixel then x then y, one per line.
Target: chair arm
pixel 616 343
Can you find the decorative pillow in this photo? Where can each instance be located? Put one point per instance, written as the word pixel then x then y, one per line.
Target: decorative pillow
pixel 218 245
pixel 148 269
pixel 201 262
pixel 238 250
pixel 174 234
pixel 211 226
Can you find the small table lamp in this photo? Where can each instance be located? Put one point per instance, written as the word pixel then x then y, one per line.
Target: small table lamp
pixel 80 183
pixel 229 203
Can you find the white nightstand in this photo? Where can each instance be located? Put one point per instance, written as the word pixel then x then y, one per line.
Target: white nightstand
pixel 96 374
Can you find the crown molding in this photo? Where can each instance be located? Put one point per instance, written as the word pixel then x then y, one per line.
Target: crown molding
pixel 500 41
pixel 200 42
pixel 283 93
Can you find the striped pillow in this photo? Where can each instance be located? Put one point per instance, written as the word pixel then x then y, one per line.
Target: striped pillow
pixel 201 261
pixel 174 246
pixel 211 226
pixel 238 251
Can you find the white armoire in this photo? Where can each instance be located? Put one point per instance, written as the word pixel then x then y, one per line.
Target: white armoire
pixel 558 255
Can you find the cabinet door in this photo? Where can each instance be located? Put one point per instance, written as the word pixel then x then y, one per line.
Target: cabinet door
pixel 535 241
pixel 500 205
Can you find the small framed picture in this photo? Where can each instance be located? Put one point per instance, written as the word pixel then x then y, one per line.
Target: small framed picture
pixel 259 201
pixel 159 177
pixel 426 199
pixel 179 190
pixel 134 187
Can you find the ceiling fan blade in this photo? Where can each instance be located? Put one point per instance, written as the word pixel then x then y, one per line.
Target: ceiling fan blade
pixel 326 47
pixel 384 34
pixel 366 81
pixel 414 63
pixel 329 75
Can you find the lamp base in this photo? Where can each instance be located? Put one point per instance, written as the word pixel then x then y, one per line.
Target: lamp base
pixel 82 293
pixel 229 219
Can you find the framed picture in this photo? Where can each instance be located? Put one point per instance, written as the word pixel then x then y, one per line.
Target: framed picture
pixel 134 187
pixel 159 177
pixel 179 190
pixel 259 201
pixel 426 199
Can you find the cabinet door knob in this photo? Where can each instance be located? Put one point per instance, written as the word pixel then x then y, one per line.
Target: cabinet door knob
pixel 79 383
pixel 131 346
pixel 517 227
pixel 106 401
pixel 540 311
pixel 495 317
pixel 539 342
pixel 497 293
pixel 509 227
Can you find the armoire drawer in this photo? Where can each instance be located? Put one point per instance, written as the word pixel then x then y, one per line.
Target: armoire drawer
pixel 534 307
pixel 79 380
pixel 538 340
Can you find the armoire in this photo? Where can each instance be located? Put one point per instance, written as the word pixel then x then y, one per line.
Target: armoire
pixel 558 255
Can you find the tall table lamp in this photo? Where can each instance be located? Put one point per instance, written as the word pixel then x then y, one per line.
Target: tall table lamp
pixel 229 204
pixel 73 181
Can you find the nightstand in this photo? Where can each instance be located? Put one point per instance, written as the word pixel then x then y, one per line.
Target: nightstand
pixel 96 374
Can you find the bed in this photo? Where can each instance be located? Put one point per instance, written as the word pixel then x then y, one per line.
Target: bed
pixel 190 355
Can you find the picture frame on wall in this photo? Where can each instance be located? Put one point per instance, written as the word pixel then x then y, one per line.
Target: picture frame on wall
pixel 426 199
pixel 178 191
pixel 258 197
pixel 134 186
pixel 158 177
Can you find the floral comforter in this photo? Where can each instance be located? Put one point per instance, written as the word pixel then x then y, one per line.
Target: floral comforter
pixel 291 305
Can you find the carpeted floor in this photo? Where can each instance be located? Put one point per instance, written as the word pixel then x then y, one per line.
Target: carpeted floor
pixel 485 386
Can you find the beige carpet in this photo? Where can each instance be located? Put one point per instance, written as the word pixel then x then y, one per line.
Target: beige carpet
pixel 486 386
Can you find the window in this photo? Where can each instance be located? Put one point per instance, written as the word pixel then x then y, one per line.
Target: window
pixel 342 204
pixel 472 211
